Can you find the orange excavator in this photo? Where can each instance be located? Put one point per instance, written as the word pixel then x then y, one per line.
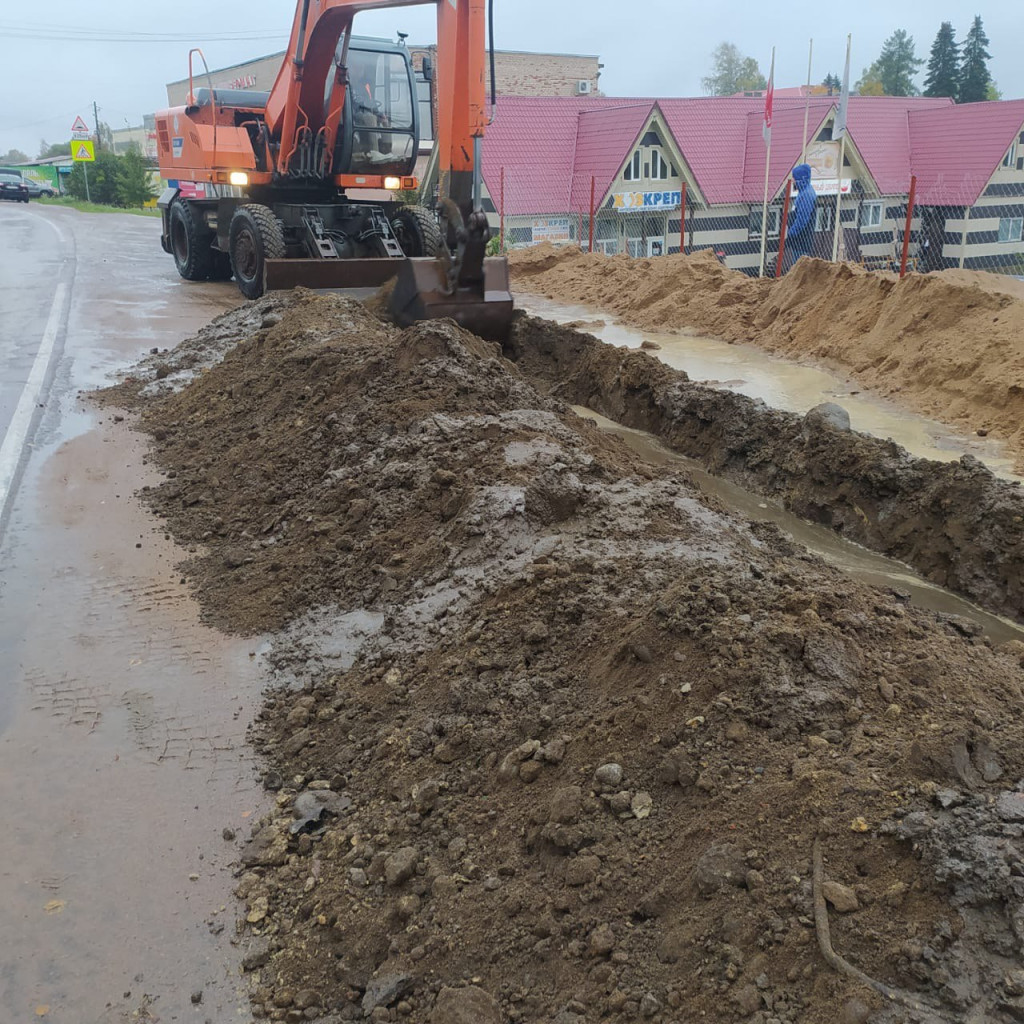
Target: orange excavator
pixel 265 187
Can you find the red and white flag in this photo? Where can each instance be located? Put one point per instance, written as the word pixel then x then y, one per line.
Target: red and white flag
pixel 769 99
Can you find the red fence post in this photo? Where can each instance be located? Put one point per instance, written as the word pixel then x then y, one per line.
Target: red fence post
pixel 501 213
pixel 906 230
pixel 682 220
pixel 592 185
pixel 782 228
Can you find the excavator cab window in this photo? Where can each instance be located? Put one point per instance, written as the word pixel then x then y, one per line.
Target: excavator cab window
pixel 383 112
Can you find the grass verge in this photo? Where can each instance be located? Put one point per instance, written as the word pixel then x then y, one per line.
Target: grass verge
pixel 83 207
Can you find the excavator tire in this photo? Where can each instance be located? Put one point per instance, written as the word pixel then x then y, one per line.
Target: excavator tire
pixel 416 231
pixel 254 237
pixel 190 242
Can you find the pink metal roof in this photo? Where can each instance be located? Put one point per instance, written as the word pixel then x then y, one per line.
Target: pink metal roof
pixel 550 147
pixel 954 151
pixel 534 140
pixel 604 142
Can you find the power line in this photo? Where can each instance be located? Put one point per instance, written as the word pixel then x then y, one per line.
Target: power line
pixel 26 30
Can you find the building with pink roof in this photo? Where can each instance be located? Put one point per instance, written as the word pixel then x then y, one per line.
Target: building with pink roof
pixel 544 155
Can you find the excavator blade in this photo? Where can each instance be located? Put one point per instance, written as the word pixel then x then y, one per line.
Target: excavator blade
pixel 419 294
pixel 282 275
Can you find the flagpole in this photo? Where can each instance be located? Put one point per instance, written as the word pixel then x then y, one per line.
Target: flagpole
pixel 766 131
pixel 844 98
pixel 807 103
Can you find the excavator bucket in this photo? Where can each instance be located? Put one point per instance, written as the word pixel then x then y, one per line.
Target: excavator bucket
pixel 420 294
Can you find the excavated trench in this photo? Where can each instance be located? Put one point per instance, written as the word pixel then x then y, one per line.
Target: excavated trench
pixel 956 523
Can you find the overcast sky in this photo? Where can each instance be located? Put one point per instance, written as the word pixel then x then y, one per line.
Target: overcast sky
pixel 648 47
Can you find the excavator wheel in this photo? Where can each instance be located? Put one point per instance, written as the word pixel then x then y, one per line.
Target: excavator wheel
pixel 190 243
pixel 254 237
pixel 416 231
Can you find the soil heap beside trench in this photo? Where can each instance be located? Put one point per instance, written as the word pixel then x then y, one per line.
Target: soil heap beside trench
pixel 577 769
pixel 950 345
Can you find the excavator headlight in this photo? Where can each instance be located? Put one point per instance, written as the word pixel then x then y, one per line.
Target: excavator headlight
pixel 394 184
pixel 238 178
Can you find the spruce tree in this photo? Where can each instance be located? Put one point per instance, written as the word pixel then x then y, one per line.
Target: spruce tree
pixel 943 77
pixel 897 64
pixel 974 76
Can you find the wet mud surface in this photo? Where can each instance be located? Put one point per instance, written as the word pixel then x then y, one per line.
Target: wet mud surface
pixel 123 762
pixel 555 733
pixel 956 523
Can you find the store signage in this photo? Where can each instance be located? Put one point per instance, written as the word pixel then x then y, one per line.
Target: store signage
pixel 646 200
pixel 550 229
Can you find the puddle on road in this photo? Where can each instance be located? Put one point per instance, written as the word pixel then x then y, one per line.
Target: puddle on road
pixel 859 562
pixel 783 384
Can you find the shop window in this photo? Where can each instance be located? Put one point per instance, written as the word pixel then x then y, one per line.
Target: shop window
pixel 871 215
pixel 774 219
pixel 1011 229
pixel 520 236
pixel 824 218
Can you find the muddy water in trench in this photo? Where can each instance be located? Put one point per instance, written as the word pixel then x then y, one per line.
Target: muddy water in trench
pixel 782 384
pixel 860 563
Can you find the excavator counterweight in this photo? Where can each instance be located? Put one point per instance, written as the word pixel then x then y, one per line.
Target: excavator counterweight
pixel 298 186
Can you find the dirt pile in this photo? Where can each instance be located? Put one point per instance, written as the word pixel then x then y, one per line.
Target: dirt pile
pixel 950 344
pixel 576 766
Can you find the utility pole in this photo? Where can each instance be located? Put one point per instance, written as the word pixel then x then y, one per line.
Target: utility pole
pixel 96 118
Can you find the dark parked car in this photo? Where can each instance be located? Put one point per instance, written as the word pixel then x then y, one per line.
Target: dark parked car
pixel 39 188
pixel 13 187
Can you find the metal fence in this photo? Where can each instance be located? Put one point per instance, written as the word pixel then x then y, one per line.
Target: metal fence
pixel 968 224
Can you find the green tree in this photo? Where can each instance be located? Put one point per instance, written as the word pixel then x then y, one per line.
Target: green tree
pixel 46 151
pixel 974 75
pixel 897 64
pixel 994 92
pixel 133 185
pixel 832 83
pixel 732 72
pixel 943 77
pixel 103 179
pixel 870 83
pixel 13 156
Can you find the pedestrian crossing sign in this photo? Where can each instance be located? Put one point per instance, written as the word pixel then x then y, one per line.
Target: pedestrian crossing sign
pixel 83 151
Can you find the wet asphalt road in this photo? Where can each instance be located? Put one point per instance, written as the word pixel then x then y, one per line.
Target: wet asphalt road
pixel 122 718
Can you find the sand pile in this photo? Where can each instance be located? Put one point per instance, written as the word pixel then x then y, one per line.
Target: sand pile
pixel 575 767
pixel 950 345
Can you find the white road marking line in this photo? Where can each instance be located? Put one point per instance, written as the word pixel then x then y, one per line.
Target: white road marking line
pixel 21 422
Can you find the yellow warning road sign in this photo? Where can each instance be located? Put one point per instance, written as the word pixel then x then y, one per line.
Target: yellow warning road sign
pixel 83 151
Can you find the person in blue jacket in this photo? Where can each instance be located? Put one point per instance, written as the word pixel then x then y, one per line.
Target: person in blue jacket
pixel 800 228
